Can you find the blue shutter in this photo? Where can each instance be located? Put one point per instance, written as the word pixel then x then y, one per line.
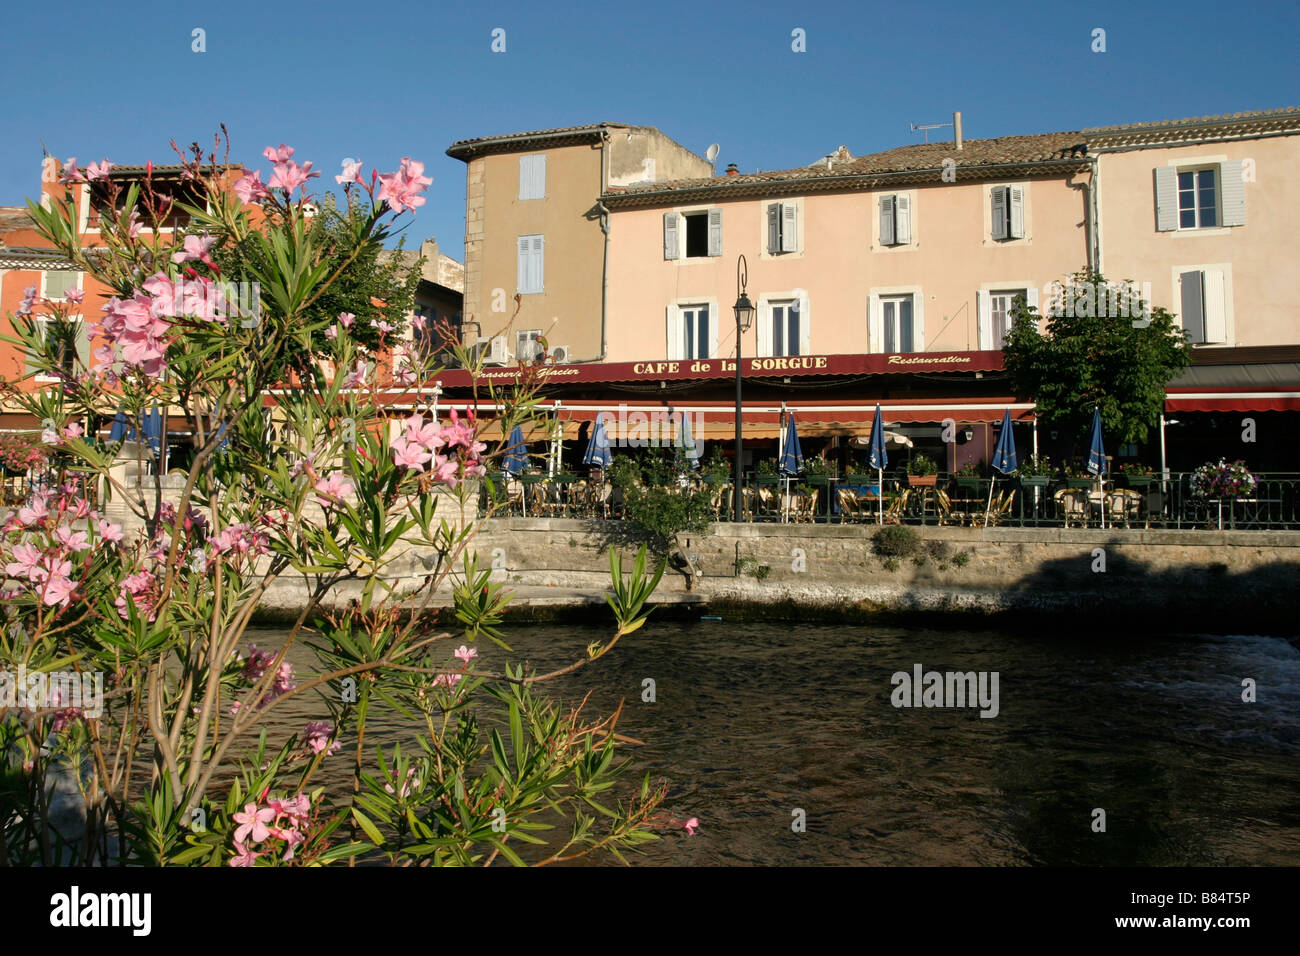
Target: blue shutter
pixel 715 232
pixel 886 220
pixel 1166 198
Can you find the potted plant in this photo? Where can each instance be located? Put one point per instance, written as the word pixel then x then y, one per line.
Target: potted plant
pixel 716 471
pixel 1223 480
pixel 922 471
pixel 1136 475
pixel 817 472
pixel 766 474
pixel 968 475
pixel 1077 477
pixel 1035 472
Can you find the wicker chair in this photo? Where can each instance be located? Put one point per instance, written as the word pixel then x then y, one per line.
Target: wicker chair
pixel 848 502
pixel 1073 503
pixel 897 506
pixel 946 514
pixel 1123 506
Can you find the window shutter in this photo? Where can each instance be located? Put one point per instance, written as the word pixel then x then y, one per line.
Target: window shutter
pixel 1031 300
pixel 83 344
pixel 789 227
pixel 539 177
pixel 999 212
pixel 768 316
pixel 521 274
pixel 671 244
pixel 539 263
pixel 774 228
pixel 1193 300
pixel 532 177
pixel 918 322
pixel 1166 198
pixel 41 328
pixel 902 219
pixel 1016 199
pixel 875 325
pixel 984 321
pixel 805 329
pixel 715 232
pixel 1233 192
pixel 674 333
pixel 886 220
pixel 525 178
pixel 1216 318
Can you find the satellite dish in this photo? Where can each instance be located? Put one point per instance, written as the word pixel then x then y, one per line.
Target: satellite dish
pixel 712 153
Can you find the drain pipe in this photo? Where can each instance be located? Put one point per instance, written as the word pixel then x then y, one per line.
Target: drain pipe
pixel 604 270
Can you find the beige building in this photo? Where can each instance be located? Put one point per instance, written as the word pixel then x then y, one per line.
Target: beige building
pixel 535 228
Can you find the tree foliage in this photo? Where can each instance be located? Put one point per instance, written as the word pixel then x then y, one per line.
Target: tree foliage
pixel 1071 364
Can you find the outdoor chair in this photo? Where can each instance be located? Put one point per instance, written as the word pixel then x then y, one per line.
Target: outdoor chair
pixel 1123 506
pixel 848 502
pixel 768 503
pixel 805 505
pixel 514 497
pixel 946 514
pixel 1001 506
pixel 1073 504
pixel 897 505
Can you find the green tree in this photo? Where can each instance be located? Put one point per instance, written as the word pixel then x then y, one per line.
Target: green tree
pixel 1119 363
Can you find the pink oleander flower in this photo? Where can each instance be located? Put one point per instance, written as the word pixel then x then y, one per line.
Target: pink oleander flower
pixel 195 247
pixel 448 681
pixel 466 653
pixel 75 295
pixel 134 224
pixel 428 436
pixel 383 327
pixel 332 333
pixel 301 465
pixel 407 785
pixel 346 319
pixel 71 174
pixel 400 189
pixel 317 737
pixel 253 822
pixel 250 188
pixel 351 172
pixel 24 565
pixel 280 155
pixel 99 170
pixel 139 590
pixel 356 376
pixel 691 826
pixel 244 856
pixel 73 431
pixel 334 487
pixel 409 454
pixel 289 175
pixel 56 586
pixel 36 512
pixel 420 323
pixel 72 540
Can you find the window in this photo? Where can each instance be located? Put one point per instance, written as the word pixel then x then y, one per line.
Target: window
pixel 528 345
pixel 1200 196
pixel 1197 199
pixel 531 271
pixel 72 344
pixel 895 220
pixel 57 284
pixel 896 314
pixel 782 227
pixel 693 235
pixel 1008 212
pixel 532 177
pixel 783 327
pixel 692 330
pixel 994 311
pixel 1204 306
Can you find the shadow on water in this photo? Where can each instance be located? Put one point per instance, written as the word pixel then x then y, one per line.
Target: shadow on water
pixel 754 721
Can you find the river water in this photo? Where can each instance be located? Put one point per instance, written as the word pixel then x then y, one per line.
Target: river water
pixel 754 721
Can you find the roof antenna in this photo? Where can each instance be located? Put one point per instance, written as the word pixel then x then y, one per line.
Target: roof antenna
pixel 927 127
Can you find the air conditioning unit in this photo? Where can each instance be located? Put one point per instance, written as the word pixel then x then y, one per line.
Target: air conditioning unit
pixel 561 354
pixel 497 353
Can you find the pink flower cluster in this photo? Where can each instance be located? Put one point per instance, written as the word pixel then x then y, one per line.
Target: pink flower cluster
pixel 407 786
pixel 317 737
pixel 138 327
pixel 279 820
pixel 452 451
pixel 141 590
pixel 401 189
pixel 43 562
pixel 240 539
pixel 255 666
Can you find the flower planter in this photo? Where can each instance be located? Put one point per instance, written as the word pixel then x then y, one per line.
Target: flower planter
pixel 922 481
pixel 968 481
pixel 767 481
pixel 1035 481
pixel 1079 482
pixel 1139 482
pixel 822 481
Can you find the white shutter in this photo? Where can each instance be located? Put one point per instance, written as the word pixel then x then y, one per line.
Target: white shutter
pixel 766 319
pixel 672 246
pixel 902 219
pixel 886 220
pixel 875 325
pixel 789 227
pixel 983 322
pixel 715 232
pixel 1232 189
pixel 674 333
pixel 1216 313
pixel 1166 198
pixel 525 256
pixel 805 328
pixel 999 194
pixel 536 270
pixel 713 332
pixel 1016 198
pixel 83 344
pixel 1031 300
pixel 773 228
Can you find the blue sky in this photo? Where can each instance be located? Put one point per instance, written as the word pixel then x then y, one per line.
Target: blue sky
pixel 383 81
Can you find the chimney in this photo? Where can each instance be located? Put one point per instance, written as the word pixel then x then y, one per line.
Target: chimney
pixel 956 129
pixel 732 170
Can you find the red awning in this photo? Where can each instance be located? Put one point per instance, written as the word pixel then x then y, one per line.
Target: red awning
pixel 1223 401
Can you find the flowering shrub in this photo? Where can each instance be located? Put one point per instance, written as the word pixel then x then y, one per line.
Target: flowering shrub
pixel 20 453
pixel 1223 480
pixel 156 589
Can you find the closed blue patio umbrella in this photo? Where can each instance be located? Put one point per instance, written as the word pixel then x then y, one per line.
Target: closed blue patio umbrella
pixel 686 441
pixel 598 453
pixel 878 459
pixel 121 428
pixel 516 459
pixel 792 460
pixel 153 431
pixel 1004 458
pixel 1097 459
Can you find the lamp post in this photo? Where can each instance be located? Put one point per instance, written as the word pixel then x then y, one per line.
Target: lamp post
pixel 744 316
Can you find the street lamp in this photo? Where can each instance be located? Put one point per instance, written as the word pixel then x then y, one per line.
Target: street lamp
pixel 744 317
